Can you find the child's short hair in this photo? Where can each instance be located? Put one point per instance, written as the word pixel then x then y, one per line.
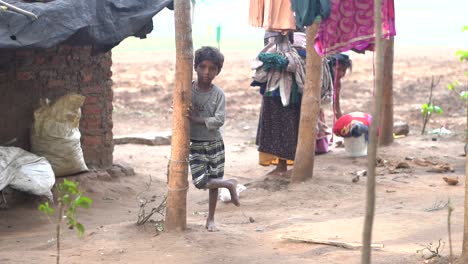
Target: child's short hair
pixel 209 53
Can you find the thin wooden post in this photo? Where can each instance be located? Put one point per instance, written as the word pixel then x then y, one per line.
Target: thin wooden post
pixel 372 148
pixel 464 255
pixel 386 127
pixel 176 211
pixel 310 108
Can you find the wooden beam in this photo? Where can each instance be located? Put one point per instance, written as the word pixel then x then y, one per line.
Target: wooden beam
pixel 176 211
pixel 310 108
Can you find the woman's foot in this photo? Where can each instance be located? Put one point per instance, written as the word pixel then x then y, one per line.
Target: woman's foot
pixel 280 169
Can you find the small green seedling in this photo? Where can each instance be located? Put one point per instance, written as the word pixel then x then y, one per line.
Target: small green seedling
pixel 429 108
pixel 70 198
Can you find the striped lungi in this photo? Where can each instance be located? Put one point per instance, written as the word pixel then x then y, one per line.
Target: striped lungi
pixel 206 161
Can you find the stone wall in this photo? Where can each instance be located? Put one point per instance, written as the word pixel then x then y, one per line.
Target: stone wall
pixel 26 76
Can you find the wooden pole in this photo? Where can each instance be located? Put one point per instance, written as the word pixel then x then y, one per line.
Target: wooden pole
pixel 464 255
pixel 176 211
pixel 386 128
pixel 372 148
pixel 310 108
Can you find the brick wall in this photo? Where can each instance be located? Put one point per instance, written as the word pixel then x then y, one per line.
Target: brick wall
pixel 28 75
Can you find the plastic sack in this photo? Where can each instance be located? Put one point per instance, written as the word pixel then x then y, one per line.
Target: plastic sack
pixel 225 196
pixel 25 172
pixel 56 136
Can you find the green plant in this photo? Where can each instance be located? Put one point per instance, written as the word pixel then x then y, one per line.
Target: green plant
pixel 70 198
pixel 427 109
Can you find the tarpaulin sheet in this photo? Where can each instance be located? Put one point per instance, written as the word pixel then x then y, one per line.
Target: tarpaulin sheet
pixel 101 23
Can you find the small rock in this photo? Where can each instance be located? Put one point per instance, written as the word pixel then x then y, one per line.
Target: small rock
pixel 403 165
pixel 451 180
pixel 116 172
pixel 251 219
pixel 104 176
pixel 401 128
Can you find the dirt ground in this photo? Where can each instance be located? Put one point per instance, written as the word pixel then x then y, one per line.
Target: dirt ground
pixel 410 212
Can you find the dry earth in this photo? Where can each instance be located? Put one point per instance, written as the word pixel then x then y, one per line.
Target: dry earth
pixel 329 206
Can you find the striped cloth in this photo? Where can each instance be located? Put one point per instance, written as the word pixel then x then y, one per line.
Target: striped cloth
pixel 206 161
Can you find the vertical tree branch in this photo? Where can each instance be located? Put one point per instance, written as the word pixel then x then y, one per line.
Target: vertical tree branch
pixel 372 148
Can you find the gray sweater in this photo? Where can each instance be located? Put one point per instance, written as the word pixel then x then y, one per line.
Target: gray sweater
pixel 211 106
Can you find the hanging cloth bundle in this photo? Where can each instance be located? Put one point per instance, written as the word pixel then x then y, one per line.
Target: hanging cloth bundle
pixel 307 10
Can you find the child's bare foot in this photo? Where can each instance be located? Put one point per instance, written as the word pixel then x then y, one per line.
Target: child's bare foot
pixel 233 191
pixel 210 226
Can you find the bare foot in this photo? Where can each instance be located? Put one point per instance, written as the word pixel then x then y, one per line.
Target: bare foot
pixel 281 168
pixel 210 226
pixel 233 191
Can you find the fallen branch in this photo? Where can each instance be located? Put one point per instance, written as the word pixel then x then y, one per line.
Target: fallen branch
pixel 330 242
pixel 18 10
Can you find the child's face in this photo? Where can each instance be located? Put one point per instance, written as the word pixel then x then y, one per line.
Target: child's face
pixel 341 71
pixel 206 71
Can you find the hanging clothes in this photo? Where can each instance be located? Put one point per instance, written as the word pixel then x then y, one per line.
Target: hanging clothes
pixel 272 15
pixel 307 10
pixel 281 68
pixel 350 26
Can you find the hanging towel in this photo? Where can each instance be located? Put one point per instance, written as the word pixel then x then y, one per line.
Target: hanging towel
pixel 272 15
pixel 351 26
pixel 307 10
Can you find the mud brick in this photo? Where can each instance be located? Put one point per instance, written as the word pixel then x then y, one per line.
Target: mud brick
pixel 86 77
pixel 24 76
pixel 94 89
pixel 56 83
pixel 91 109
pixel 93 141
pixel 91 100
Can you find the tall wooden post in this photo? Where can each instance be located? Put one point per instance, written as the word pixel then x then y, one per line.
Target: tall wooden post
pixel 464 256
pixel 372 148
pixel 310 108
pixel 386 127
pixel 176 211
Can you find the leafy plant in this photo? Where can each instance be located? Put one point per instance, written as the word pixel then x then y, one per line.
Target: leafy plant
pixel 70 198
pixel 429 108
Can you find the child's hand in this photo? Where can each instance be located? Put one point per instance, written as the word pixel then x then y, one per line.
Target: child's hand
pixel 193 116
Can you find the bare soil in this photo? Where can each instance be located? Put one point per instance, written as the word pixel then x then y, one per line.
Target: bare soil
pixel 329 206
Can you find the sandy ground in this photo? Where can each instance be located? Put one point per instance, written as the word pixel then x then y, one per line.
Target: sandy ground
pixel 329 206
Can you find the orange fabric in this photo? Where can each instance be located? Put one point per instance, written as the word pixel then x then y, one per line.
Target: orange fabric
pixel 272 15
pixel 256 13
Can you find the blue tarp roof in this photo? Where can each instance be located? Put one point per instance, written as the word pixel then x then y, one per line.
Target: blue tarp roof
pixel 101 23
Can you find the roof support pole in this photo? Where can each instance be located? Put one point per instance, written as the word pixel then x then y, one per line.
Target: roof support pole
pixel 372 148
pixel 386 130
pixel 310 108
pixel 176 211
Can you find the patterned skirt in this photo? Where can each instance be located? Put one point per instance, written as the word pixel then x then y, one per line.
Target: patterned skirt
pixel 278 128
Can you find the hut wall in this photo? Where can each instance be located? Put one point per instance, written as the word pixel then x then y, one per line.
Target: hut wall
pixel 26 76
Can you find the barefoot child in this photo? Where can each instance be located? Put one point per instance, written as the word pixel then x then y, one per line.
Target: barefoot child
pixel 206 117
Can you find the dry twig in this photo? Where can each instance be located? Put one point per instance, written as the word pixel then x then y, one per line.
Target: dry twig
pixel 143 217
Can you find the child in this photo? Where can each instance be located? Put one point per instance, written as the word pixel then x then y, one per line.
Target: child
pixel 206 117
